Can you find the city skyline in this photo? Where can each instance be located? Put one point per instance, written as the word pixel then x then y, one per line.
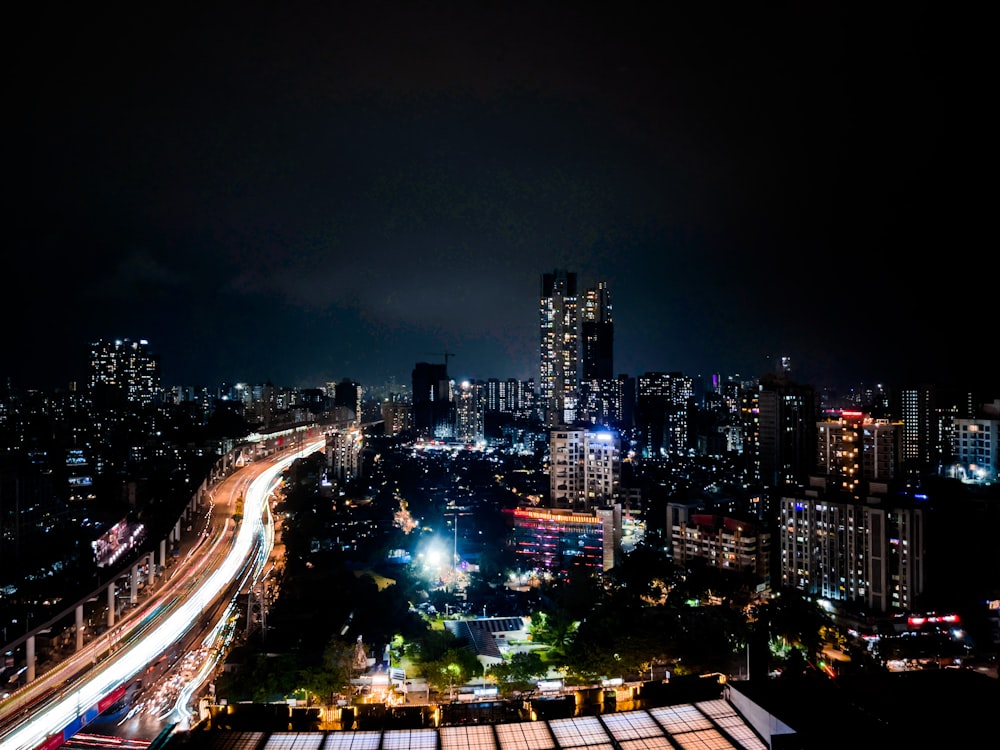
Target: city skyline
pixel 298 197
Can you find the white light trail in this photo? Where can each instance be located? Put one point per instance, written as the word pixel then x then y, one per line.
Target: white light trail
pixel 54 718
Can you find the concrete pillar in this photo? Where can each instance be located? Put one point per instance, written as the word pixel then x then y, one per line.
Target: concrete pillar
pixel 134 588
pixel 163 554
pixel 177 531
pixel 111 603
pixel 151 562
pixel 29 657
pixel 79 627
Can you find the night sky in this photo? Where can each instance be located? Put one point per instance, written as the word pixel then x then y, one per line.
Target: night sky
pixel 303 192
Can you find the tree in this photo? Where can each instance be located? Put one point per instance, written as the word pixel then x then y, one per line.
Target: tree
pixel 263 679
pixel 443 660
pixel 334 674
pixel 519 673
pixel 555 628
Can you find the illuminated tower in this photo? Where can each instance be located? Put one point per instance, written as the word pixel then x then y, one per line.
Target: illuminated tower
pixel 559 347
pixel 585 468
pixel 598 401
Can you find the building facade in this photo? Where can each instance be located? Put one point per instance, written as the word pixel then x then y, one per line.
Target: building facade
pixel 584 468
pixel 721 541
pixel 975 447
pixel 127 368
pixel 433 406
pixel 599 403
pixel 559 540
pixel 343 454
pixel 558 368
pixel 852 449
pixel 839 548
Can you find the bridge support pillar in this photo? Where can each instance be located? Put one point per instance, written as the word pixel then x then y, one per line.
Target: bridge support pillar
pixel 29 657
pixel 163 554
pixel 111 603
pixel 79 627
pixel 134 585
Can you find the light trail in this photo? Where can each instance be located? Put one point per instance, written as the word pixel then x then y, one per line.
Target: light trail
pixel 52 719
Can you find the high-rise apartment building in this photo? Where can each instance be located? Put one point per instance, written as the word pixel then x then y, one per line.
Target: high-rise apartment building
pixel 433 406
pixel 343 454
pixel 786 430
pixel 559 349
pixel 929 413
pixel 396 416
pixel 348 393
pixel 597 333
pixel 843 549
pixel 722 541
pixel 852 448
pixel 469 411
pixel 584 468
pixel 976 448
pixel 127 368
pixel 600 401
pixel 663 402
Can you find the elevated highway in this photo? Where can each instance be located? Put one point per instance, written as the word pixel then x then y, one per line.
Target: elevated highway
pixel 221 556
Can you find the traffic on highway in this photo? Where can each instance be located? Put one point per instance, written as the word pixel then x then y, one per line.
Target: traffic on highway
pixel 231 553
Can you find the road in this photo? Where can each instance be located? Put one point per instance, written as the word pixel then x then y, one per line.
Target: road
pixel 188 612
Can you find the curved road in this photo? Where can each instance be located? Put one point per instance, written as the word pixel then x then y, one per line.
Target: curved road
pixel 227 552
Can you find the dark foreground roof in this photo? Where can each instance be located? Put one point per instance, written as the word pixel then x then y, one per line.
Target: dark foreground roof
pixel 708 724
pixel 883 709
pixel 863 711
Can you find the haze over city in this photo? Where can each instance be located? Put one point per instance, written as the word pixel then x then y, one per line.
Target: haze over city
pixel 299 195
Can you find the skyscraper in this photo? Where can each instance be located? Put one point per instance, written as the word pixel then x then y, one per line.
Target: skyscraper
pixel 598 402
pixel 433 406
pixel 347 393
pixel 661 412
pixel 559 351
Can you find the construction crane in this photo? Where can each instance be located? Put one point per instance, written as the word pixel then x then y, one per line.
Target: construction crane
pixel 446 354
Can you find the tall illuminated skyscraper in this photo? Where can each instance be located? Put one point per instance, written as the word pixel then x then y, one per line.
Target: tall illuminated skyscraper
pixel 598 403
pixel 559 351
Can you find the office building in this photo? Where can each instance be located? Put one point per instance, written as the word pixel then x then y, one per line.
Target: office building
pixel 558 539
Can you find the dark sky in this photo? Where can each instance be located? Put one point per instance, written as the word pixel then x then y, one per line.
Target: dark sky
pixel 302 192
